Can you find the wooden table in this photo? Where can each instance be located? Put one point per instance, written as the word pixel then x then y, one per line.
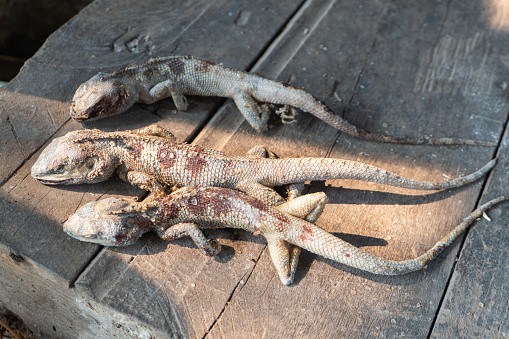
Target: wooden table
pixel 397 67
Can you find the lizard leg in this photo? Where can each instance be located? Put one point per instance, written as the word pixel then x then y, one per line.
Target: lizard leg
pixel 288 114
pixel 308 207
pixel 164 90
pixel 261 152
pixel 260 192
pixel 294 190
pixel 255 114
pixel 157 131
pixel 285 258
pixel 208 247
pixel 142 180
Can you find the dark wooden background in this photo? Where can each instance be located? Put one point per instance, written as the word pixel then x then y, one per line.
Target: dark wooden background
pixel 397 67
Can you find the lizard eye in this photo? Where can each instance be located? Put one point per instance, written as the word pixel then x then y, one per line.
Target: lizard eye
pixel 90 163
pixel 59 168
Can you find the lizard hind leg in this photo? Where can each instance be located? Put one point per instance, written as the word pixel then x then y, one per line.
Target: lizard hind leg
pixel 285 258
pixel 209 247
pixel 257 115
pixel 263 193
pixel 262 152
pixel 308 207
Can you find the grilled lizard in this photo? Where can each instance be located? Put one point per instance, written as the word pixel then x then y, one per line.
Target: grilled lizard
pixel 118 222
pixel 107 94
pixel 152 158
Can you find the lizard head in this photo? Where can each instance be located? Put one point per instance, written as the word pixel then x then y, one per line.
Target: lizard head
pixel 65 161
pixel 99 97
pixel 95 223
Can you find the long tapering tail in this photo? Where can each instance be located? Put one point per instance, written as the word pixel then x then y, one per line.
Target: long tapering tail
pixel 292 170
pixel 325 244
pixel 280 93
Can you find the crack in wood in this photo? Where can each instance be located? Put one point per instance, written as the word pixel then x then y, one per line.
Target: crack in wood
pixel 483 192
pixel 439 34
pixel 29 156
pixel 368 54
pixel 16 135
pixel 239 286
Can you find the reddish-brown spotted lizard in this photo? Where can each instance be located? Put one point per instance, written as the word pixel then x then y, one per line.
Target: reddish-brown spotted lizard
pixel 153 159
pixel 119 222
pixel 106 94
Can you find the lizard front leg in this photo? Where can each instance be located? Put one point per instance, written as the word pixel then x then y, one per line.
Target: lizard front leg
pixel 257 115
pixel 164 90
pixel 208 247
pixel 157 131
pixel 142 180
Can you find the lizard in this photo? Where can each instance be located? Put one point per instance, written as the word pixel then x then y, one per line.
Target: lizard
pixel 185 212
pixel 153 159
pixel 107 94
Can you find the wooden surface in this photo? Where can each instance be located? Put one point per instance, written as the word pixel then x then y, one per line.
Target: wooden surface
pixel 393 67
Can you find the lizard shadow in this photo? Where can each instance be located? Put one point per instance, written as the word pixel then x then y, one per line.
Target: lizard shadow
pixel 349 196
pixel 227 252
pixel 407 279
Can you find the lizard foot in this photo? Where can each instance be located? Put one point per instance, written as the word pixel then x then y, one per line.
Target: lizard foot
pixel 288 114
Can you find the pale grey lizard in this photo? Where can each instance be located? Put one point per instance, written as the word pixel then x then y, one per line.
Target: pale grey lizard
pixel 107 94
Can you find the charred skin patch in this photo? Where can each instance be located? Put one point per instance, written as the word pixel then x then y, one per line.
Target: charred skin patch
pixel 287 85
pixel 134 147
pixel 307 229
pixel 141 222
pixel 196 206
pixel 281 227
pixel 195 164
pixel 109 104
pixel 220 206
pixel 166 157
pixel 177 66
pixel 168 211
pixel 120 238
pixel 147 72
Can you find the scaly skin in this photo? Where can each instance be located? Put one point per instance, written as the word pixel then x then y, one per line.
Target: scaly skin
pixel 153 159
pixel 159 78
pixel 117 222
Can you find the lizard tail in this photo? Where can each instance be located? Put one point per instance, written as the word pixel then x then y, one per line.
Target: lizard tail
pixel 281 93
pixel 325 244
pixel 291 170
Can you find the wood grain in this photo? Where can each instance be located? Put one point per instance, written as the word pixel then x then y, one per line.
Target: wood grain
pixel 387 66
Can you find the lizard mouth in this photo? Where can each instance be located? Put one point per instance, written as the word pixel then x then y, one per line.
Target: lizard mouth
pixel 53 181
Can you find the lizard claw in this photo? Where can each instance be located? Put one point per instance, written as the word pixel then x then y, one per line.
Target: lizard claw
pixel 213 249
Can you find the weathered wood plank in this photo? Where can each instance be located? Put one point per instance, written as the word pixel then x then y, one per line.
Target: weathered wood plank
pixel 475 304
pixel 51 310
pixel 372 56
pixel 327 301
pixel 353 51
pixel 34 106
